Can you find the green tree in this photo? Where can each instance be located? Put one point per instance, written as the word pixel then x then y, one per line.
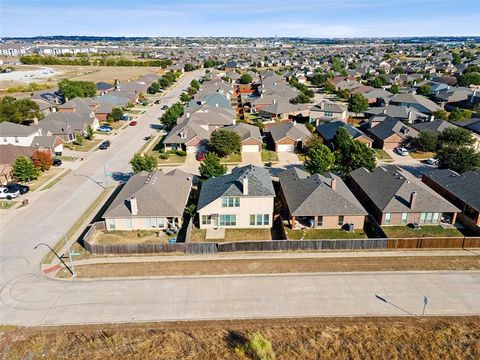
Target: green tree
pixel 394 89
pixel 169 118
pixel 358 104
pixel 460 159
pixel 455 137
pixel 154 88
pixel 329 87
pixel 440 114
pixel 165 82
pixel 398 70
pixel 302 99
pixel 257 347
pixel 427 140
pixel 24 169
pixel 344 94
pixel 195 84
pixel 471 78
pixel 337 65
pixel 19 111
pixel 456 59
pixel 377 82
pixel 224 142
pixel 79 139
pixel 146 163
pixel 246 79
pixel 188 67
pixel 71 89
pixel 211 167
pixel 319 159
pixel 184 97
pixel 424 90
pixel 116 114
pixel 351 154
pixel 89 133
pixel 459 115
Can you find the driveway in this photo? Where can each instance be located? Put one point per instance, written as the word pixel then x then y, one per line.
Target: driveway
pixel 287 158
pixel 253 158
pixel 191 164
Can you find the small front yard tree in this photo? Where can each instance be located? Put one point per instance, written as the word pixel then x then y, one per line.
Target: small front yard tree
pixel 455 137
pixel 195 84
pixel 143 163
pixel 79 139
pixel 427 140
pixel 358 104
pixel 89 133
pixel 42 159
pixel 424 90
pixel 319 159
pixel 24 169
pixel 184 97
pixel 116 114
pixel 154 88
pixel 71 89
pixel 246 78
pixel 211 167
pixel 459 158
pixel 188 67
pixel 224 142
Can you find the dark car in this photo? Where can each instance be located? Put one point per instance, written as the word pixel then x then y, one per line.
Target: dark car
pixel 104 145
pixel 13 187
pixel 133 123
pixel 56 162
pixel 164 107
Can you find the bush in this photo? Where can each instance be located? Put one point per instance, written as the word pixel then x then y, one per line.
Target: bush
pixel 257 347
pixel 180 153
pixel 163 156
pixel 42 159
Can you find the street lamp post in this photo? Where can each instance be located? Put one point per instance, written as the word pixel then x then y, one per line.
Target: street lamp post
pixel 68 250
pixel 58 257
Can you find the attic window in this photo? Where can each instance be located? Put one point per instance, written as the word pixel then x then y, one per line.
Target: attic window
pixel 183 135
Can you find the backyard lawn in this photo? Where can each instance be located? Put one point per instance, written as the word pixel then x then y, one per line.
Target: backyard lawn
pixel 313 234
pixel 232 158
pixel 269 156
pixel 382 155
pixel 198 235
pixel 424 231
pixel 129 237
pixel 420 155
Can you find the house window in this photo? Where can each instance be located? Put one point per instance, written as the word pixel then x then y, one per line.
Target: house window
pixel 387 218
pixel 228 220
pixel 259 219
pixel 340 220
pixel 16 139
pixel 206 219
pixel 230 201
pixel 5 139
pixel 328 113
pixel 429 218
pixel 266 219
pixel 423 216
pixel 436 216
pixel 320 221
pixel 111 224
pixel 404 218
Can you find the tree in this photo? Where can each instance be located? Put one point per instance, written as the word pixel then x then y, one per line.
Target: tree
pixel 24 169
pixel 351 154
pixel 398 70
pixel 154 88
pixel 184 97
pixel 211 167
pixel 301 99
pixel 224 142
pixel 456 59
pixel 378 82
pixel 459 115
pixel 169 118
pixel 89 133
pixel 319 159
pixel 394 89
pixel 146 163
pixel 460 159
pixel 424 90
pixel 358 103
pixel 427 140
pixel 19 111
pixel 79 139
pixel 42 159
pixel 116 114
pixel 246 79
pixel 344 94
pixel 456 137
pixel 328 86
pixel 195 84
pixel 165 82
pixel 313 141
pixel 71 89
pixel 440 114
pixel 189 67
pixel 471 78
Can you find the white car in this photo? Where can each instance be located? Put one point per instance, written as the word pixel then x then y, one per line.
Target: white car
pixel 432 161
pixel 402 151
pixel 5 193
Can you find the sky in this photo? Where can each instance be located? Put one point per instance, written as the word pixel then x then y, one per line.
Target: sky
pixel 248 18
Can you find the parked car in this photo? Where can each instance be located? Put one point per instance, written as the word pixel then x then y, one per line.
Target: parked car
pixel 146 138
pixel 105 128
pixel 165 107
pixel 5 193
pixel 402 151
pixel 201 156
pixel 125 117
pixel 13 187
pixel 156 102
pixel 104 145
pixel 432 161
pixel 56 162
pixel 133 123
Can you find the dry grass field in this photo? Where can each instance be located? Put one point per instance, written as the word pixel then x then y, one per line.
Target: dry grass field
pixel 314 338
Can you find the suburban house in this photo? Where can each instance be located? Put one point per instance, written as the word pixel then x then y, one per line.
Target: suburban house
pixel 288 136
pixel 17 134
pixel 319 201
pixel 104 87
pixel 474 126
pixel 241 199
pixel 188 136
pixel 283 110
pixel 436 126
pixel 409 115
pixel 462 190
pixel 251 139
pixel 67 124
pixel 390 133
pixel 395 197
pixel 327 111
pixel 418 102
pixel 327 132
pixel 150 201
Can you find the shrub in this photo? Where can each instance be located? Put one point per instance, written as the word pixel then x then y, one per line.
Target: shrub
pixel 163 156
pixel 180 153
pixel 257 347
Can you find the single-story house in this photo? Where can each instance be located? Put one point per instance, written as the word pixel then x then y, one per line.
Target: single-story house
pixel 327 132
pixel 251 139
pixel 327 111
pixel 288 136
pixel 390 133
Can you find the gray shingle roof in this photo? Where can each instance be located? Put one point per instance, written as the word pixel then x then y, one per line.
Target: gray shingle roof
pixel 259 184
pixel 310 195
pixel 11 129
pixel 329 130
pixel 390 187
pixel 157 194
pixel 246 131
pixel 435 125
pixel 289 129
pixel 391 126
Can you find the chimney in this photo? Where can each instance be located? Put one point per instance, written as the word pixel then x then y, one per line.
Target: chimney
pixel 133 205
pixel 245 185
pixel 410 116
pixel 432 117
pixel 413 199
pixel 333 184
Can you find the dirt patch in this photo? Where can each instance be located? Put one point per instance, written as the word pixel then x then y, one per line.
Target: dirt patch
pixel 313 338
pixel 129 237
pixel 272 266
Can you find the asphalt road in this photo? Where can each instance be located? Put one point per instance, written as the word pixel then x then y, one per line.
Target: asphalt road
pixel 29 298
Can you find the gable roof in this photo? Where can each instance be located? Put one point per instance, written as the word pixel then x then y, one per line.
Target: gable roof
pixel 435 125
pixel 329 130
pixel 391 126
pixel 157 194
pixel 327 105
pixel 289 129
pixel 390 187
pixel 12 129
pixel 415 99
pixel 246 131
pixel 310 195
pixel 259 185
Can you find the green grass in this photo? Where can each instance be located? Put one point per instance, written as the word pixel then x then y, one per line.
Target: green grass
pixel 66 158
pixel 232 158
pixel 382 155
pixel 44 178
pixel 6 204
pixel 87 145
pixel 419 155
pixel 424 231
pixel 312 234
pixel 54 182
pixel 269 156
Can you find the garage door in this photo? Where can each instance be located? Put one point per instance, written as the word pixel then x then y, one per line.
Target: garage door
pixel 195 149
pixel 285 148
pixel 250 148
